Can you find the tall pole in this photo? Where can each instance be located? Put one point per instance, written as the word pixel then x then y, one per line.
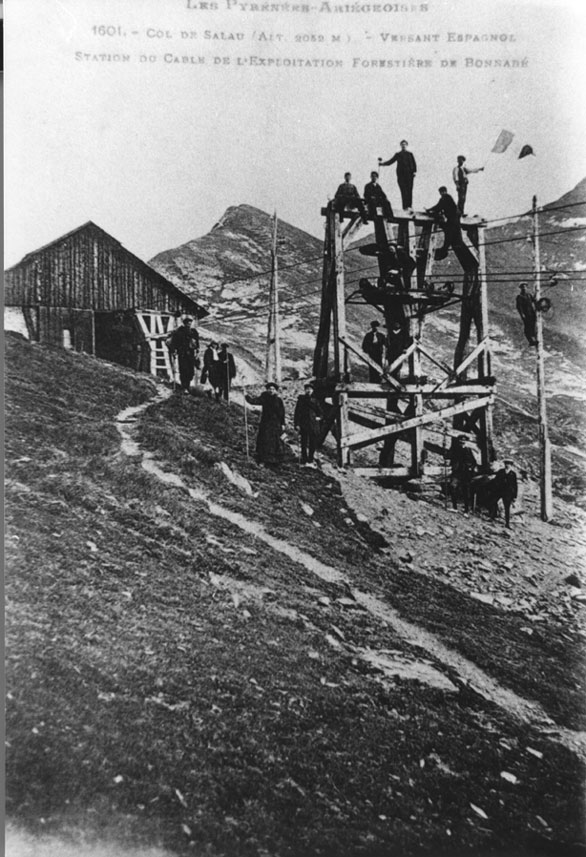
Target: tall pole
pixel 273 371
pixel 544 444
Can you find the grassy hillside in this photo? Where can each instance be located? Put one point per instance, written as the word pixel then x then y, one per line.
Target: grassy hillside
pixel 173 681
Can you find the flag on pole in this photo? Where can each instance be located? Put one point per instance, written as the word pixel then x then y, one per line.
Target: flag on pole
pixel 504 140
pixel 526 150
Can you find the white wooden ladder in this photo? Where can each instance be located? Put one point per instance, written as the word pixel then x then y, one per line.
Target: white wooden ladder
pixel 156 327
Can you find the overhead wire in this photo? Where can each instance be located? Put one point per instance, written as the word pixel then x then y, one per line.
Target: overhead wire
pixel 357 249
pixel 507 277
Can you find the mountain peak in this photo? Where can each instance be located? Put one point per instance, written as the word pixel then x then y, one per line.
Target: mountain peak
pixel 243 216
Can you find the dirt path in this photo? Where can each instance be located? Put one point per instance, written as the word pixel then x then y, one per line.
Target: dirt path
pixel 458 671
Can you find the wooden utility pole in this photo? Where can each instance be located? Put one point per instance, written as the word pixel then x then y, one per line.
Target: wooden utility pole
pixel 273 368
pixel 544 444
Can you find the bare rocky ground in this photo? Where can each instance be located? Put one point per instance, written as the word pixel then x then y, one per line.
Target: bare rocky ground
pixel 213 658
pixel 535 570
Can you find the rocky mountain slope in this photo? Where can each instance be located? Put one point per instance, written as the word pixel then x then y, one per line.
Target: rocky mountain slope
pixel 205 656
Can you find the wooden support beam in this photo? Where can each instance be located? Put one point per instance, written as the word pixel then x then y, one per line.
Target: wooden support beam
pixel 367 437
pixel 378 414
pixel 466 362
pixel 322 345
pixel 340 351
pixel 352 228
pixel 420 218
pixel 470 246
pixel 439 363
pixel 370 362
pixel 402 358
pixel 366 390
pixel 399 472
pixel 484 367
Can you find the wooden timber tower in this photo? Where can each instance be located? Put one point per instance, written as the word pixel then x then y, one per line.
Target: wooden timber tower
pixel 400 402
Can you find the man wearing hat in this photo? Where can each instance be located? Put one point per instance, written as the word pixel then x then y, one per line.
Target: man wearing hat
pixel 212 367
pixel 184 341
pixel 399 341
pixel 505 488
pixel 375 197
pixel 463 469
pixel 227 372
pixel 269 447
pixel 306 419
pixel 526 308
pixel 460 175
pixel 406 171
pixel 373 344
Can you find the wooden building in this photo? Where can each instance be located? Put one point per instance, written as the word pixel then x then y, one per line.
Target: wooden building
pixel 85 291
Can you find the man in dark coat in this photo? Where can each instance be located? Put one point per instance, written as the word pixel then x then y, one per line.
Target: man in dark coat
pixel 227 372
pixel 463 469
pixel 306 419
pixel 406 171
pixel 373 344
pixel 398 341
pixel 504 487
pixel 347 196
pixel 375 197
pixel 269 446
pixel 184 341
pixel 212 370
pixel 526 309
pixel 447 212
pixel 460 175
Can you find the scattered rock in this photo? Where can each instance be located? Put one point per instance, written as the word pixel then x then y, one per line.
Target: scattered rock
pixel 482 596
pixel 235 478
pixel 573 580
pixel 510 778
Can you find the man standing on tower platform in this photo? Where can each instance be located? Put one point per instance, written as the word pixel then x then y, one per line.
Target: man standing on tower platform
pixel 460 175
pixel 406 171
pixel 373 344
pixel 347 196
pixel 374 196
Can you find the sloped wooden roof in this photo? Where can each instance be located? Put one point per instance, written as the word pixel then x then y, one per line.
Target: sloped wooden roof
pixel 146 269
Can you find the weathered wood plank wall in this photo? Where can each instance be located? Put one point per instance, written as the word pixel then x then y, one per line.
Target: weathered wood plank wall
pixel 90 270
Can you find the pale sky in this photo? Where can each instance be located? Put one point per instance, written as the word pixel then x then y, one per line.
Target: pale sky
pixel 154 152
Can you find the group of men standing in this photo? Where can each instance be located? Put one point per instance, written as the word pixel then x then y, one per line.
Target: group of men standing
pixel 465 482
pixel 307 419
pixel 446 210
pixel 218 369
pixel 347 195
pixel 381 348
